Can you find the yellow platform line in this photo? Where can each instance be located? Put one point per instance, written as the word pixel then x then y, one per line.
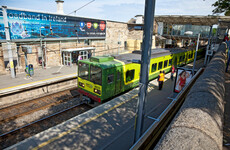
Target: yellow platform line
pixel 36 82
pixel 80 125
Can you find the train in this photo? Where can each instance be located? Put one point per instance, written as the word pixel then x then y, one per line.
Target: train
pixel 101 78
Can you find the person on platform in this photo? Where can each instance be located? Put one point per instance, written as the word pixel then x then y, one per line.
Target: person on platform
pixel 161 78
pixel 172 72
pixel 89 54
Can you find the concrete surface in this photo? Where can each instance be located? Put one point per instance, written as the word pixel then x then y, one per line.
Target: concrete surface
pixel 199 123
pixel 39 74
pixel 108 126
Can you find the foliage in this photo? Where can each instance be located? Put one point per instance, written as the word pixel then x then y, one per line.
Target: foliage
pixel 222 6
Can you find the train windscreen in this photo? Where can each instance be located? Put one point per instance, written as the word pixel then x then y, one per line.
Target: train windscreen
pixel 83 70
pixel 95 75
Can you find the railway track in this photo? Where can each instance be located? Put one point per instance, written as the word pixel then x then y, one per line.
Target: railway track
pixel 21 121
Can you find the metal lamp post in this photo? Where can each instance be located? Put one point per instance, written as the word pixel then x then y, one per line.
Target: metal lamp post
pixel 145 60
pixel 7 32
pixel 41 46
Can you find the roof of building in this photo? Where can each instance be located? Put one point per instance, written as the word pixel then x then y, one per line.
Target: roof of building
pixel 194 20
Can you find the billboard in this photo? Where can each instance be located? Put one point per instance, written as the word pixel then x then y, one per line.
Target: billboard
pixel 183 77
pixel 30 25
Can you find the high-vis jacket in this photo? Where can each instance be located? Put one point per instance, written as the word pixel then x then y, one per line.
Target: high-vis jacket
pixel 161 77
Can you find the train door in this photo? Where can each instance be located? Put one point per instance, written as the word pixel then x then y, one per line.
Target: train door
pixel 118 80
pixel 110 82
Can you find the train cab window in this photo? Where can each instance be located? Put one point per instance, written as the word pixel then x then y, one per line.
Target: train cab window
pixel 154 67
pixel 83 70
pixel 130 75
pixel 95 75
pixel 110 78
pixel 160 65
pixel 165 63
pixel 170 62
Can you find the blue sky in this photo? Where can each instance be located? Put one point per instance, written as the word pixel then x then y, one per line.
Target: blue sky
pixel 117 10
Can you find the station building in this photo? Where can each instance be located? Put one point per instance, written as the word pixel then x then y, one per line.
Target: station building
pixel 54 39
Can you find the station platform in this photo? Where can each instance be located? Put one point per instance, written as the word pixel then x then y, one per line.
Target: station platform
pixel 108 126
pixel 40 77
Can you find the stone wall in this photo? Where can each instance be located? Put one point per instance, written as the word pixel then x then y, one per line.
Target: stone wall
pixel 199 123
pixel 118 39
pixel 116 36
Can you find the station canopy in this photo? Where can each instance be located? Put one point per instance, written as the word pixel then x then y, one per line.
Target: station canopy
pixel 194 20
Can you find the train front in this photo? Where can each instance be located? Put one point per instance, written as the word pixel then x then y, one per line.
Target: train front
pixel 90 80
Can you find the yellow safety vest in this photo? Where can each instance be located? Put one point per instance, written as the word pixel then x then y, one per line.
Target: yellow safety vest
pixel 162 77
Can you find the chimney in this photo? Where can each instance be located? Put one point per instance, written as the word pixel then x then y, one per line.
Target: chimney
pixel 139 19
pixel 60 6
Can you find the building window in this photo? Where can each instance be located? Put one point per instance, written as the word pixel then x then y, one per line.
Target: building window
pixel 130 75
pixel 160 65
pixel 154 67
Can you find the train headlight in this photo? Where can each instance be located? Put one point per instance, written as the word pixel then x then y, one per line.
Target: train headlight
pixel 97 91
pixel 81 84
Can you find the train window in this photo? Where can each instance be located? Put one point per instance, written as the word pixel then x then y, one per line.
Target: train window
pixel 165 63
pixel 170 62
pixel 181 59
pixel 95 75
pixel 160 65
pixel 83 70
pixel 130 75
pixel 110 78
pixel 154 67
pixel 118 75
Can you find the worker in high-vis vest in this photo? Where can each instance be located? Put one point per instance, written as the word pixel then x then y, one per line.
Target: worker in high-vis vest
pixel 161 79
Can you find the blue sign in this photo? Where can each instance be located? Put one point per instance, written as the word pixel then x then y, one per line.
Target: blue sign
pixel 29 25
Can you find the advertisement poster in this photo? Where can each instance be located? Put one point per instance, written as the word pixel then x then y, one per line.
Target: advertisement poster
pixel 30 25
pixel 183 77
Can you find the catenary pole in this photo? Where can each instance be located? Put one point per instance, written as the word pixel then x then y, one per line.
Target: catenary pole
pixel 208 46
pixel 7 32
pixel 197 45
pixel 145 60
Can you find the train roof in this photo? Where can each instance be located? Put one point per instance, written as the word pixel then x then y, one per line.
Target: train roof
pixel 117 60
pixel 102 61
pixel 136 55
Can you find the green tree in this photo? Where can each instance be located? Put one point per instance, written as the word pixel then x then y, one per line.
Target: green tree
pixel 222 6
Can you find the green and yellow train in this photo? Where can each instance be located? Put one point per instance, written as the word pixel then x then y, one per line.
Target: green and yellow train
pixel 102 77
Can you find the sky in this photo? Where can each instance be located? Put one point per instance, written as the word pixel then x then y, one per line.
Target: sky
pixel 116 10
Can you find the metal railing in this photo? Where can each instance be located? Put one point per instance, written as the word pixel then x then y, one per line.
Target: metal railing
pixel 152 134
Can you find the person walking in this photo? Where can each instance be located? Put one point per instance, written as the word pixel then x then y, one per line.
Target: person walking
pixel 172 72
pixel 161 78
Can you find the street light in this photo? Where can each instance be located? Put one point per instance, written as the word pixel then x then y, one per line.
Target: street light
pixel 41 46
